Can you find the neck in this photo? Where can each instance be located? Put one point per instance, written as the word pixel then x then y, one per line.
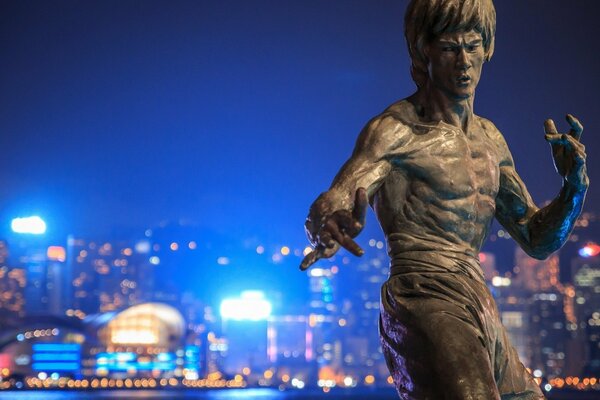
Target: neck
pixel 435 105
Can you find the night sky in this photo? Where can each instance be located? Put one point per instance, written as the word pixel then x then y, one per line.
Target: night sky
pixel 236 114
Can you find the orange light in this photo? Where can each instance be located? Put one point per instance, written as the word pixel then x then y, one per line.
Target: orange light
pixel 56 253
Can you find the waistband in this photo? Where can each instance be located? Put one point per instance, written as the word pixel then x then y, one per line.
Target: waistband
pixel 436 261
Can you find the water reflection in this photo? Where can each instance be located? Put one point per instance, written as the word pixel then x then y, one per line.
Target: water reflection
pixel 229 394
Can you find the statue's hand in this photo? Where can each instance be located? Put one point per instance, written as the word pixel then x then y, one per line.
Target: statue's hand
pixel 338 230
pixel 568 152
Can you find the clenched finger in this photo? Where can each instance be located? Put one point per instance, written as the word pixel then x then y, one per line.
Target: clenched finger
pixel 326 239
pixel 333 229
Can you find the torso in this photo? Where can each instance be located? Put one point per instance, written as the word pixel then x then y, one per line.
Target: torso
pixel 440 193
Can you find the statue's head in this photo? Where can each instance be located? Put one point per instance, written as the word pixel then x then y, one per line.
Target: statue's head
pixel 425 20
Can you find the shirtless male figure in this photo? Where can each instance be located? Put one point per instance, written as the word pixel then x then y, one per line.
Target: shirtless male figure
pixel 436 175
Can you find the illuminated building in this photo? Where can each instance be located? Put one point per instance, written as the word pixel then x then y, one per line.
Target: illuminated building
pixel 586 296
pixel 513 306
pixel 289 340
pixel 146 339
pixel 36 288
pixel 12 284
pixel 358 318
pixel 246 329
pixel 323 316
pixel 58 280
pixel 106 276
pixel 533 311
pixel 143 340
pixel 536 275
pixel 39 344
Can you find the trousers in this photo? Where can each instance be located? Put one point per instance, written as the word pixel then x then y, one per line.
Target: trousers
pixel 441 333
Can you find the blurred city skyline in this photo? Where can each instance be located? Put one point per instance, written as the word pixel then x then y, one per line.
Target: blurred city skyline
pixel 203 130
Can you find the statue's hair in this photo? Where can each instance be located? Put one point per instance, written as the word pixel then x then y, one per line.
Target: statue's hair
pixel 427 19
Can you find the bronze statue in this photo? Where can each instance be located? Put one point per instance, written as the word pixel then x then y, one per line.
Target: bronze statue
pixel 436 175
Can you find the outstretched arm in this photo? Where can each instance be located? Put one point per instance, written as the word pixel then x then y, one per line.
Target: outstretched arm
pixel 337 216
pixel 540 232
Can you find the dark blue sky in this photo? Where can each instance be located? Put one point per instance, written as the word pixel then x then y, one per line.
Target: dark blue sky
pixel 236 114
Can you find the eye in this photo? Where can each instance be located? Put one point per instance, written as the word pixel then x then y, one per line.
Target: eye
pixel 447 48
pixel 472 47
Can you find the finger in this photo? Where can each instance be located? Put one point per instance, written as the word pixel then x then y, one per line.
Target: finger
pixel 311 258
pixel 576 127
pixel 361 200
pixel 580 158
pixel 572 143
pixel 326 239
pixel 343 239
pixel 549 127
pixel 344 219
pixel 351 246
pixel 334 230
pixel 555 138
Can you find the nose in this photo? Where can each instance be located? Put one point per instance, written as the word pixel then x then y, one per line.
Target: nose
pixel 462 61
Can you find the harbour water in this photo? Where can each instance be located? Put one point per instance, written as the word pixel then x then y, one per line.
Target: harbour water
pixel 225 394
pixel 234 394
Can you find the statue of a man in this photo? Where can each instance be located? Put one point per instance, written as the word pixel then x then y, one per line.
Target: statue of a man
pixel 436 175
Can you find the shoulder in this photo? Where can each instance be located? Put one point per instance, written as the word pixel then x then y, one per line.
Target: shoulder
pixel 497 139
pixel 383 132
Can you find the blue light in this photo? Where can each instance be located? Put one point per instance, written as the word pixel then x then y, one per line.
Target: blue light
pixel 56 357
pixel 20 337
pixel 127 361
pixel 165 357
pixel 33 225
pixel 56 347
pixel 56 366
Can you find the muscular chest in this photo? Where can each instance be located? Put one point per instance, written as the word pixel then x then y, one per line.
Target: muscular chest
pixel 452 164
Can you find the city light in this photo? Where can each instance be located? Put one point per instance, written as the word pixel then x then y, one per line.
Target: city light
pixel 33 225
pixel 499 281
pixel 56 253
pixel 251 305
pixel 589 250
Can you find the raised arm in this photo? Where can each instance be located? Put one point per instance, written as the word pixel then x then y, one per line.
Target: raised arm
pixel 540 232
pixel 338 215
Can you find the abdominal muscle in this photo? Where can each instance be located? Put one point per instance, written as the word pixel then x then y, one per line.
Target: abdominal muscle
pixel 416 216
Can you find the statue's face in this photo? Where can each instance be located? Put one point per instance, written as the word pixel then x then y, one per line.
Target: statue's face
pixel 455 61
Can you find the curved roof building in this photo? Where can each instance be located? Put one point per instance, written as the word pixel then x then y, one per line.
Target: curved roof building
pixel 147 324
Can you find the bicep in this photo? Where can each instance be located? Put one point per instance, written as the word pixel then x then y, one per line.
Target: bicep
pixel 370 162
pixel 361 171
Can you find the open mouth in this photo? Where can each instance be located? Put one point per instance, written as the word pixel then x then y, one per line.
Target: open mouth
pixel 463 79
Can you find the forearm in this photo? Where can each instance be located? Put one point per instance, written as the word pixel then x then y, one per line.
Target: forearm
pixel 550 227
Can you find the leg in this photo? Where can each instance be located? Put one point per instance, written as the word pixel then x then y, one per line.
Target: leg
pixel 433 340
pixel 514 382
pixel 444 362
